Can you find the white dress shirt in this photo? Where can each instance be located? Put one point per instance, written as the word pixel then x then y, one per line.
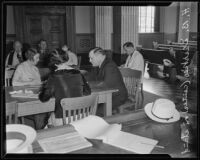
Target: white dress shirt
pixel 135 61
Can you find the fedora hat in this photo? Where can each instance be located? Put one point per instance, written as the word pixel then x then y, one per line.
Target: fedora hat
pixel 162 110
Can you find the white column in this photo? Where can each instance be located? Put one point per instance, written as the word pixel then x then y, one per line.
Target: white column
pixel 129 25
pixel 103 26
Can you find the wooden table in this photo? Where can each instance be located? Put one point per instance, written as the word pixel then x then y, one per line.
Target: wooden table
pixel 130 123
pixel 30 106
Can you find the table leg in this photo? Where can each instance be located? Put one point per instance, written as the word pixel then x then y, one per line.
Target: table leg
pixel 108 105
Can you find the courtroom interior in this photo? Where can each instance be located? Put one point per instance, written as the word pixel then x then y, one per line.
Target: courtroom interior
pixel 79 68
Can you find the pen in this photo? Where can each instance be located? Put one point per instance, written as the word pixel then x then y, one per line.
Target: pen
pixel 153 145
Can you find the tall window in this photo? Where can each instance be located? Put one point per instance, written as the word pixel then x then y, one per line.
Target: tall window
pixel 146 19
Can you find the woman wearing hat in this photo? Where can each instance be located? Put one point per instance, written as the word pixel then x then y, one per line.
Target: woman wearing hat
pixel 164 125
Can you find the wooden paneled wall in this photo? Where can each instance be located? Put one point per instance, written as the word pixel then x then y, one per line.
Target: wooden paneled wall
pixel 146 39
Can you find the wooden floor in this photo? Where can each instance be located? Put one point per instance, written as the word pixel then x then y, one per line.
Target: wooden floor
pixel 171 91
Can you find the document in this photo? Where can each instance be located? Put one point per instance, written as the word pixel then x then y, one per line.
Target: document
pixel 95 127
pixel 64 143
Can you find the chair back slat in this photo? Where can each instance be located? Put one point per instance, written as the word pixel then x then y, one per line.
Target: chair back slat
pixel 87 104
pixel 74 115
pixel 132 81
pixel 79 113
pixel 11 113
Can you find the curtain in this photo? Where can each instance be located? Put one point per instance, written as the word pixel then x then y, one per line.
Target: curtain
pixel 129 25
pixel 103 26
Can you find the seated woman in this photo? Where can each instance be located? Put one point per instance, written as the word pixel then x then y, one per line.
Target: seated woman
pixel 27 73
pixel 63 82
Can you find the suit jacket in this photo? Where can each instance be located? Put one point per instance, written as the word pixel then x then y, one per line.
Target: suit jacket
pixel 111 77
pixel 63 84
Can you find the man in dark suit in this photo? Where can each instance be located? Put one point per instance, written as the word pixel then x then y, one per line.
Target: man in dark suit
pixel 109 75
pixel 44 53
pixel 15 56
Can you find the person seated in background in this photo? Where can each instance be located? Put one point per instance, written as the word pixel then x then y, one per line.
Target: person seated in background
pixel 43 51
pixel 15 56
pixel 63 81
pixel 72 57
pixel 155 45
pixel 110 76
pixel 165 124
pixel 169 70
pixel 27 73
pixel 135 59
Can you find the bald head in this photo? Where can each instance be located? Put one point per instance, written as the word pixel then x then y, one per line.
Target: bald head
pixel 97 56
pixel 17 46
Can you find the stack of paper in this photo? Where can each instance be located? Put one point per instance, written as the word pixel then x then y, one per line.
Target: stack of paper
pixel 64 143
pixel 96 128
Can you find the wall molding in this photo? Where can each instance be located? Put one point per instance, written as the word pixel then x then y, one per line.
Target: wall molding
pixel 10 37
pixel 146 39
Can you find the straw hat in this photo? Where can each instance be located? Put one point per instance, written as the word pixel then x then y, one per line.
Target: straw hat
pixel 162 110
pixel 167 62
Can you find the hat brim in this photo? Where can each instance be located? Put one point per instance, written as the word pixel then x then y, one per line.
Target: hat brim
pixel 148 108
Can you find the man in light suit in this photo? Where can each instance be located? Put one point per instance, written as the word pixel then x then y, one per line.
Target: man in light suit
pixel 135 59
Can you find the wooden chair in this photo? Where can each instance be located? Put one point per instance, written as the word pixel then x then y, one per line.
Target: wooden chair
pixel 11 113
pixel 78 107
pixel 132 80
pixel 8 77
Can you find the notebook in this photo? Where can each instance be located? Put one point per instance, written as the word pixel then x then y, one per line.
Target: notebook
pixel 64 143
pixel 95 127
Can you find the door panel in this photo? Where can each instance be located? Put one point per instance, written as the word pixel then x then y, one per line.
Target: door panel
pixel 49 27
pixel 56 24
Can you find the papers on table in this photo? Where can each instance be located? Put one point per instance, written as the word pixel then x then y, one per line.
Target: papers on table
pixel 64 143
pixel 96 128
pixel 24 94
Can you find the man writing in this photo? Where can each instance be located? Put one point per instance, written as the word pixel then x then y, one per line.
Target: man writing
pixel 109 75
